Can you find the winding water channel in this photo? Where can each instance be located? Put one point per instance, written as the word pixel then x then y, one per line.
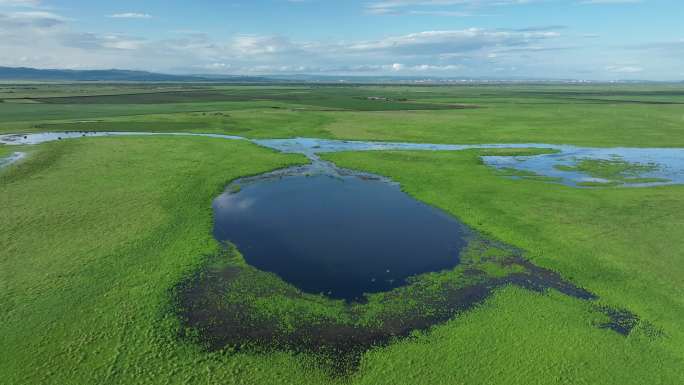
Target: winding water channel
pixel 666 164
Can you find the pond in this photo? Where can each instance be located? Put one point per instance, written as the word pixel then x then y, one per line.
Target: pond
pixel 334 233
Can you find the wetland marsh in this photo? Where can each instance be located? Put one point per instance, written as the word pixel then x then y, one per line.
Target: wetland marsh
pixel 570 165
pixel 139 273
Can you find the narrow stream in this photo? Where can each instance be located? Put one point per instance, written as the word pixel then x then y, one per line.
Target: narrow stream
pixel 667 163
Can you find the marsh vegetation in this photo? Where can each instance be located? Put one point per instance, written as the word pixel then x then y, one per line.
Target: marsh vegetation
pixel 110 271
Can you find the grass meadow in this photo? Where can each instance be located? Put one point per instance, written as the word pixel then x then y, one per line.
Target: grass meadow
pixel 96 233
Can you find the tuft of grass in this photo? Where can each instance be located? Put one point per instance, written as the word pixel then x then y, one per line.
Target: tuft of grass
pixel 524 174
pixel 599 184
pixel 516 151
pixel 615 170
pixel 645 180
pixel 6 150
pixel 234 188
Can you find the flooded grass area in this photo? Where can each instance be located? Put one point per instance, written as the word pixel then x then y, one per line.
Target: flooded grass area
pixel 614 171
pixel 232 306
pixel 569 165
pixel 11 154
pixel 6 160
pixel 110 272
pixel 596 167
pixel 331 263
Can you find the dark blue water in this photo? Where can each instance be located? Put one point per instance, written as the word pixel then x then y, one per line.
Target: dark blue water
pixel 340 236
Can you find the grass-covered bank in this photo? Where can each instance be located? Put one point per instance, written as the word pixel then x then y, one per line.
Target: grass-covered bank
pixel 623 244
pixel 589 115
pixel 6 150
pixel 98 231
pixel 232 306
pixel 95 232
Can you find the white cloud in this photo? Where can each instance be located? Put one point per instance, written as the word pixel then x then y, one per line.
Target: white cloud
pixel 121 42
pixel 216 66
pixel 13 22
pixel 538 51
pixel 441 13
pixel 449 42
pixel 130 15
pixel 624 69
pixel 424 52
pixel 20 3
pixel 610 1
pixel 436 7
pixel 255 45
pixel 397 67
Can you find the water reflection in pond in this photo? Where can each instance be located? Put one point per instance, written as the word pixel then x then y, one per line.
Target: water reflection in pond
pixel 643 166
pixel 340 235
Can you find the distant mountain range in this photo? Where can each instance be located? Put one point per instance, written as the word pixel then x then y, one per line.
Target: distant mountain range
pixel 114 75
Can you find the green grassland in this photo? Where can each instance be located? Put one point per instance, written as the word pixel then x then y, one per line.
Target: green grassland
pixel 98 234
pixel 7 150
pixel 598 238
pixel 94 235
pixel 121 221
pixel 587 115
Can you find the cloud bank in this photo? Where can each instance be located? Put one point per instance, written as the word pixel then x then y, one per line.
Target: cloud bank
pixel 551 50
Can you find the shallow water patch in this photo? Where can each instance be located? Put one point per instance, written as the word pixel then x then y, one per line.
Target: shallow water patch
pixel 614 171
pixel 537 161
pixel 597 167
pixel 11 158
pixel 621 321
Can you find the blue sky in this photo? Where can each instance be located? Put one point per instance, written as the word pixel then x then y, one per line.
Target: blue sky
pixel 571 39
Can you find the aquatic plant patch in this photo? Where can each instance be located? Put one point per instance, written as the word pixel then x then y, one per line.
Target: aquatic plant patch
pixel 231 306
pixel 614 171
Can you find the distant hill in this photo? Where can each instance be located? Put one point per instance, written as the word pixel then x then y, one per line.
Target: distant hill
pixel 114 75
